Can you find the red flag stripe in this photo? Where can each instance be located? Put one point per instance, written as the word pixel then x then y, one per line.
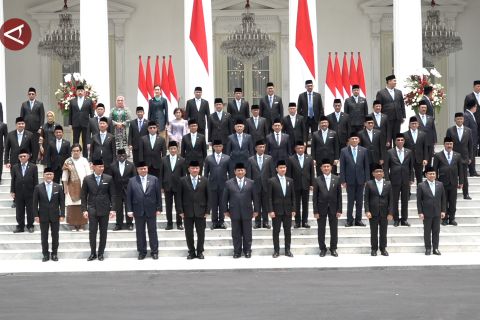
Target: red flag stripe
pixel 330 81
pixel 353 71
pixel 149 80
pixel 345 76
pixel 303 37
pixel 156 78
pixel 171 80
pixel 361 75
pixel 198 35
pixel 338 76
pixel 142 86
pixel 165 85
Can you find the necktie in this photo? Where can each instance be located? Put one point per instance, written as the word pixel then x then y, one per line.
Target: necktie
pixel 324 136
pixel 300 159
pixel 218 158
pixel 24 168
pixel 424 120
pixel 449 158
pixel 432 187
pixel 338 116
pixel 377 116
pixel 144 184
pixel 240 184
pixel 327 183
pixel 260 162
pixel 49 191
pixel 194 182
pixel 31 105
pixel 59 145
pixel 19 138
pixel 102 137
pixel 414 136
pixel 310 105
pixel 172 162
pixel 278 138
pixel 240 139
pixel 400 155
pixel 284 187
pixel 194 139
pixel 98 180
pixel 271 101
pixel 152 140
pixel 354 153
pixel 256 122
pixel 140 122
pixel 460 133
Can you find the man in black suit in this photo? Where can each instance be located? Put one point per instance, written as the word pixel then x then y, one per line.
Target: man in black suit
pixel 474 96
pixel 463 144
pixel 138 129
pixel 18 139
pixel 3 141
pixel 327 202
pixel 239 107
pixel 1 112
pixel 220 124
pixel 427 99
pixel 340 122
pixel 271 105
pixel 448 166
pixel 470 122
pixel 194 145
pixel 144 204
pixel 278 143
pixel 381 123
pixel 325 146
pixel 198 109
pixel 260 169
pixel 426 124
pixel 239 147
pixel 33 112
pixel 49 211
pixel 310 106
pixel 378 202
pixel 398 168
pixel 24 179
pixel 293 124
pixel 158 110
pixel 393 105
pixel 431 204
pixel 103 145
pixel 122 170
pixel 281 207
pixel 240 203
pixel 216 171
pixel 93 123
pixel 354 173
pixel 415 140
pixel 81 110
pixel 372 140
pixel 357 108
pixel 257 126
pixel 172 169
pixel 193 207
pixel 57 152
pixel 97 195
pixel 302 170
pixel 152 149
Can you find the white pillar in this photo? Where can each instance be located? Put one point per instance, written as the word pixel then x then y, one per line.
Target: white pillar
pixel 407 35
pixel 94 59
pixel 3 87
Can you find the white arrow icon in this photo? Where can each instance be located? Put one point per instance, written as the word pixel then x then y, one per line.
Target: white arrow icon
pixel 19 29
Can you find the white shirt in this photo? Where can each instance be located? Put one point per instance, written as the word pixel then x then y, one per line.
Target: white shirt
pixel 401 154
pixel 278 137
pixel 324 135
pixel 460 132
pixel 153 138
pixel 59 144
pixel 424 119
pixel 414 135
pixel 392 92
pixel 379 184
pixel 218 157
pixel 143 180
pixel 270 101
pixel 121 167
pixel 283 183
pixel 240 139
pixel 194 138
pixel 255 121
pixel 337 114
pixel 432 186
pixel 328 180
pixel 448 155
pixel 219 115
pixel 378 116
pixel 260 161
pixel 293 119
pixel 301 158
pixel 240 183
pixel 370 134
pixel 198 102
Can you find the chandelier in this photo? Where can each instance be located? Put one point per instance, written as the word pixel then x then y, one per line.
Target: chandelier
pixel 439 40
pixel 63 43
pixel 248 43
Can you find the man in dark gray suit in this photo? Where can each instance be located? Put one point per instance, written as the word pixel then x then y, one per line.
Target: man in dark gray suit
pixel 158 110
pixel 152 149
pixel 426 124
pixel 378 202
pixel 372 140
pixel 49 211
pixel 239 107
pixel 57 152
pixel 194 145
pixel 281 207
pixel 80 111
pixel 340 122
pixel 257 126
pixel 93 123
pixel 293 124
pixel 33 112
pixel 216 171
pixel 325 145
pixel 193 207
pixel 381 123
pixel 17 140
pixel 354 173
pixel 327 203
pixel 393 105
pixel 97 195
pixel 271 105
pixel 470 122
pixel 144 204
pixel 240 203
pixel 220 124
pixel 138 128
pixel 427 99
pixel 3 140
pixel 198 109
pixel 474 96
pixel 239 147
pixel 431 203
pixel 357 108
pixel 415 140
pixel 103 145
pixel 310 106
pixel 278 143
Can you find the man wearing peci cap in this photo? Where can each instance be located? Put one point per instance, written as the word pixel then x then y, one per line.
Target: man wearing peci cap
pixel 238 107
pixel 93 123
pixel 80 111
pixel 448 166
pixel 18 139
pixel 310 106
pixel 194 145
pixel 415 140
pixel 198 109
pixel 340 122
pixel 257 126
pixel 293 124
pixel 217 173
pixel 357 108
pixel 474 96
pixel 426 124
pixel 33 112
pixel 239 146
pixel 278 143
pixel 428 98
pixel 325 145
pixel 138 129
pixel 271 105
pixel 470 122
pixel 380 121
pixel 3 140
pixel 152 149
pixel 103 145
pixel 393 104
pixel 57 152
pixel 220 124
pixel 372 140
pixel 49 211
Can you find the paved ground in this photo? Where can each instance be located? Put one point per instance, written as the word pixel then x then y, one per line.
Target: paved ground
pixel 367 293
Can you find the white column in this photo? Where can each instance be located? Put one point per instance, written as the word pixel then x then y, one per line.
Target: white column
pixel 3 87
pixel 375 26
pixel 94 59
pixel 407 36
pixel 119 25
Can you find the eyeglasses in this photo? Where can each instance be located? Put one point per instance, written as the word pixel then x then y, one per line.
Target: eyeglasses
pixel 23 156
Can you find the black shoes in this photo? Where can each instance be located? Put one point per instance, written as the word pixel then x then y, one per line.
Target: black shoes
pixel 467 197
pixel 396 223
pixel 236 255
pixel 428 252
pixel 288 253
pixel 257 226
pixel 348 224
pixel 248 255
pixel 154 256
pixel 445 222
pixel 169 226
pixel 46 257
pixel 384 253
pixel 92 257
pixel 18 230
pixel 180 227
pixel 323 252
pixel 141 256
pixel 275 254
pixel 100 257
pixel 130 227
pixel 453 223
pixel 200 256
pixel 117 228
pixel 333 252
pixel 266 226
pixel 54 257
pixel 359 223
pixel 191 256
pixel 297 225
pixel 306 225
pixel 373 253
pixel 31 229
pixel 436 252
pixel 405 223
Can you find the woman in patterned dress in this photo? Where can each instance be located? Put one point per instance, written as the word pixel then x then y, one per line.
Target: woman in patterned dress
pixel 177 127
pixel 120 117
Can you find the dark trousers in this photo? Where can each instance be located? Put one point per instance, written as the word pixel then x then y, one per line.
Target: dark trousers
pixel 465 179
pixel 404 189
pixel 35 146
pixel 354 194
pixel 95 223
pixel 215 199
pixel 430 152
pixel 301 196
pixel 57 174
pixel 1 163
pixel 170 197
pixel 149 223
pixel 451 195
pixel 263 214
pixel 119 203
pixel 286 220
pixel 431 232
pixel 333 223
pixel 418 168
pixel 394 127
pixel 44 226
pixel 375 222
pixel 311 126
pixel 154 171
pixel 242 235
pixel 23 204
pixel 200 224
pixel 77 131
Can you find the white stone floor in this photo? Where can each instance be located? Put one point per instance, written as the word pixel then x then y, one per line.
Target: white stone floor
pixel 228 263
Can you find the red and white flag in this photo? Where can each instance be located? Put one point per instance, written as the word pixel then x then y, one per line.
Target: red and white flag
pixel 353 71
pixel 347 92
pixel 142 92
pixel 338 78
pixel 198 48
pixel 149 80
pixel 302 46
pixel 361 77
pixel 330 88
pixel 165 84
pixel 172 85
pixel 156 77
